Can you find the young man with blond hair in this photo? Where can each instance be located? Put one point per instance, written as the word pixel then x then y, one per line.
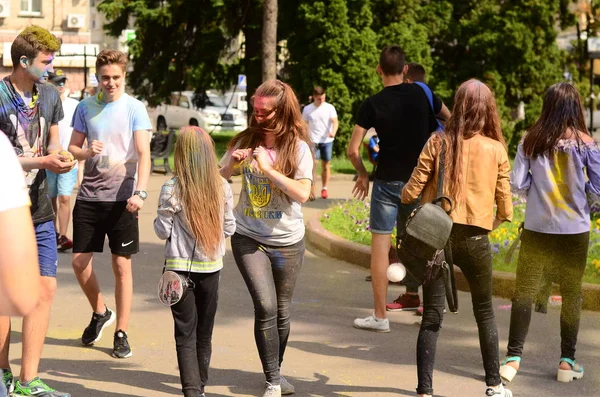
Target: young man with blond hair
pixel 113 190
pixel 29 114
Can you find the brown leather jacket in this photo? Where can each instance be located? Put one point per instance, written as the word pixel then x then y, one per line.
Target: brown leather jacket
pixel 485 180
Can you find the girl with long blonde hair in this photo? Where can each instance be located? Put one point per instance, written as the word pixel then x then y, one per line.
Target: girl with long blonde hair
pixel 195 216
pixel 275 160
pixel 476 171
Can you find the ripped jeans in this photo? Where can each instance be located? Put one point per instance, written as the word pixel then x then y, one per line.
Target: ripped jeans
pixel 472 253
pixel 270 274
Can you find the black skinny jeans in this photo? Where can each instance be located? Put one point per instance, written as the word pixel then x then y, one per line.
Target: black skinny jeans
pixel 194 318
pixel 566 256
pixel 472 254
pixel 270 274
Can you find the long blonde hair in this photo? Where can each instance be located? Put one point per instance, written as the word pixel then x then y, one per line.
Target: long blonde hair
pixel 474 112
pixel 287 125
pixel 200 187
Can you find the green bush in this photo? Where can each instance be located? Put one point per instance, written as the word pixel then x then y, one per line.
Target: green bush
pixel 350 220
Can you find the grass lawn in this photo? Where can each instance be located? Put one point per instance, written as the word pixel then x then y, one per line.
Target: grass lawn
pixel 339 165
pixel 350 220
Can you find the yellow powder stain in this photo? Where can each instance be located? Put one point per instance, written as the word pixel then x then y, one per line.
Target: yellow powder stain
pixel 558 174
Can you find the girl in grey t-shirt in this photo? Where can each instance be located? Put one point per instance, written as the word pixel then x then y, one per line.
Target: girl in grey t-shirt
pixel 275 161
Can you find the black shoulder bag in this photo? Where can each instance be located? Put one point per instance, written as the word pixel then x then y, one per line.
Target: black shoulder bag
pixel 422 244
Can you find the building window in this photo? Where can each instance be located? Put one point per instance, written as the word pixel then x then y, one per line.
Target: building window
pixel 31 7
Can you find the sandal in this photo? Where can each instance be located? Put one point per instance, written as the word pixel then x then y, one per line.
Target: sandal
pixel 508 372
pixel 567 375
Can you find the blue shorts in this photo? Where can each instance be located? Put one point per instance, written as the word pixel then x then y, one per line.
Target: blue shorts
pixel 45 235
pixel 61 184
pixel 324 151
pixel 385 204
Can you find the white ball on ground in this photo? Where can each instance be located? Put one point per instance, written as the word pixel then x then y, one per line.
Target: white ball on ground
pixel 396 272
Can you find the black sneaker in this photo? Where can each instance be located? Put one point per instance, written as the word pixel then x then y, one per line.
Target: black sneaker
pixel 93 332
pixel 121 346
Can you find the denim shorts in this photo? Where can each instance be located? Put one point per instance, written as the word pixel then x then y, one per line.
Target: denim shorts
pixel 324 151
pixel 45 235
pixel 61 184
pixel 385 204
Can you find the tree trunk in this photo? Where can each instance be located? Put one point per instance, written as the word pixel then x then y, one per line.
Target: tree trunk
pixel 269 40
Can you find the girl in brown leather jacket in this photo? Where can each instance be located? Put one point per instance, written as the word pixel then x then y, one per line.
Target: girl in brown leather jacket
pixel 476 177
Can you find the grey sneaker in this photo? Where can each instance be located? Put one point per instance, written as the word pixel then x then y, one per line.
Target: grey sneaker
pixel 271 390
pixel 7 384
pixel 372 324
pixel 286 387
pixel 500 391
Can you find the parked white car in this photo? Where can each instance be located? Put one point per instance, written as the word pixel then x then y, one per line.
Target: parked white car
pixel 180 111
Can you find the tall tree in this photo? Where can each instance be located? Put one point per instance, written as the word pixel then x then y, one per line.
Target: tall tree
pixel 269 40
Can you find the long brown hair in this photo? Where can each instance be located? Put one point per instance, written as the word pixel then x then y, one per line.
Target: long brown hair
pixel 562 111
pixel 474 112
pixel 200 187
pixel 286 124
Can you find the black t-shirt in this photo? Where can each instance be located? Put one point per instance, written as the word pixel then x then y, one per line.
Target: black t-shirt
pixel 403 119
pixel 27 129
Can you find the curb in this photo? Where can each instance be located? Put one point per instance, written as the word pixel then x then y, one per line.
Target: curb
pixel 359 254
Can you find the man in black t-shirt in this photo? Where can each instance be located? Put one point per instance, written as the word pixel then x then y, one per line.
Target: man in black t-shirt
pixel 29 114
pixel 403 118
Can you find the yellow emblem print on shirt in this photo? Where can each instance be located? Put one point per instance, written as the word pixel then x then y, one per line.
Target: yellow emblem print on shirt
pixel 259 190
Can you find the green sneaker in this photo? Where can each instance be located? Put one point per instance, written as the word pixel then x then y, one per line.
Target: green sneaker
pixel 36 388
pixel 7 380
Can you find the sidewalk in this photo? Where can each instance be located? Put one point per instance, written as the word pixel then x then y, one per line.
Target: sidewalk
pixel 326 356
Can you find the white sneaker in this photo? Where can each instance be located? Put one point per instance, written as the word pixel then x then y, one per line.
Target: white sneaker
pixel 372 324
pixel 499 391
pixel 271 390
pixel 286 387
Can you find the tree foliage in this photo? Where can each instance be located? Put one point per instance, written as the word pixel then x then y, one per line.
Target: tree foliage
pixel 510 45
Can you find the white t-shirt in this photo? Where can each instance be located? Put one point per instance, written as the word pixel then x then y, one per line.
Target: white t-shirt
pixel 64 126
pixel 319 121
pixel 15 193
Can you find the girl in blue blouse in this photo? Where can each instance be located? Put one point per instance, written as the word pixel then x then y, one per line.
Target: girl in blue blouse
pixel 558 169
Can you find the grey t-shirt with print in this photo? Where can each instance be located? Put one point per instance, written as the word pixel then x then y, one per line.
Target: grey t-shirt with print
pixel 264 212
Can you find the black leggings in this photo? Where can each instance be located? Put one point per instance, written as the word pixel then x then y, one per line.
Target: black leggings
pixel 566 256
pixel 194 318
pixel 270 274
pixel 472 254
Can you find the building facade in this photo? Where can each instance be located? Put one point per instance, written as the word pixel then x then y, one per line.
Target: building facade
pixel 67 19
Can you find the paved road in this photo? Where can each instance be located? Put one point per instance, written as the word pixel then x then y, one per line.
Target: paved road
pixel 326 355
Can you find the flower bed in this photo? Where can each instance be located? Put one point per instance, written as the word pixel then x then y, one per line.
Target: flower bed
pixel 350 220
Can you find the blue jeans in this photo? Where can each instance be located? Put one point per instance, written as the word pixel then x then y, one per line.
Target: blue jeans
pixel 386 208
pixel 270 274
pixel 324 151
pixel 45 236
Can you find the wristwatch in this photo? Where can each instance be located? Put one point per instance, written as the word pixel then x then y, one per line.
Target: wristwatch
pixel 142 193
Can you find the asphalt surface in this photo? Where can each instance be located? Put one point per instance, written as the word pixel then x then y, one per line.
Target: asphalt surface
pixel 326 356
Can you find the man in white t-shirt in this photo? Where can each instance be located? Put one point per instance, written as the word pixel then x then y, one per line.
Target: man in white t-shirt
pixel 322 125
pixel 60 186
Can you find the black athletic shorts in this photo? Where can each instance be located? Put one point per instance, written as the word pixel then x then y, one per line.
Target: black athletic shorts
pixel 92 220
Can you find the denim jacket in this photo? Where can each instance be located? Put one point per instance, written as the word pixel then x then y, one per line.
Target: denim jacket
pixel 170 225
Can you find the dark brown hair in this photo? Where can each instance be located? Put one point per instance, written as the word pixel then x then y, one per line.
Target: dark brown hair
pixel 31 41
pixel 286 125
pixel 561 112
pixel 474 112
pixel 318 90
pixel 415 72
pixel 111 57
pixel 391 60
